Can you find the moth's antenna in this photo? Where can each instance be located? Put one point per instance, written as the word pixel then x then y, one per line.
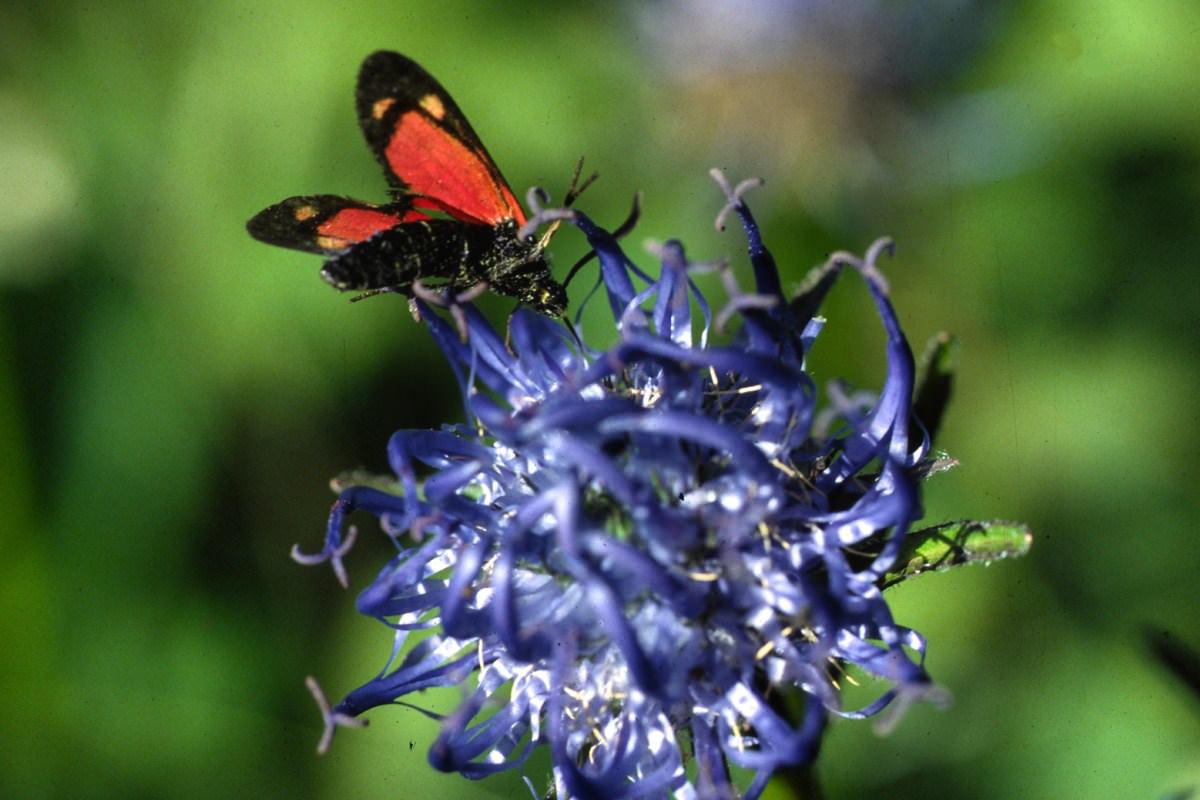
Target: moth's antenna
pixel 576 188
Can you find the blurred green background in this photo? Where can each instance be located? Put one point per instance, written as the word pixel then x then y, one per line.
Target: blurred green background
pixel 174 396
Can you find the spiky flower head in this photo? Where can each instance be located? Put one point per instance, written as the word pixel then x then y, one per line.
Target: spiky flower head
pixel 653 559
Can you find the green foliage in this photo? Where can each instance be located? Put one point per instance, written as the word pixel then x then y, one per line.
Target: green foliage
pixel 956 543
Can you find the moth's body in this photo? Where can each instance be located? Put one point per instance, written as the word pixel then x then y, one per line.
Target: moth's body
pixel 441 252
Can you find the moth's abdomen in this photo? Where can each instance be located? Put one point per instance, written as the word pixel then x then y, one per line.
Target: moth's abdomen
pixel 427 250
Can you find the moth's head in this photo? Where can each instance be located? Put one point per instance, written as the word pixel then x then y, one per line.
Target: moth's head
pixel 546 297
pixel 522 272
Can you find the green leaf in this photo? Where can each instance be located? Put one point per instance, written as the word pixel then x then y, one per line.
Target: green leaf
pixel 359 477
pixel 953 544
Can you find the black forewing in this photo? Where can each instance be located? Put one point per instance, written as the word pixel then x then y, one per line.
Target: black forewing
pixel 425 144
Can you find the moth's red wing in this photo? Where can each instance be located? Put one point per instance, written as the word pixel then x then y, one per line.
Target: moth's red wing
pixel 426 146
pixel 327 224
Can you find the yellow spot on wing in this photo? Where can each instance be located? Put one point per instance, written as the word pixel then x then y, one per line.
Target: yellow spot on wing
pixel 303 213
pixel 331 242
pixel 381 106
pixel 433 106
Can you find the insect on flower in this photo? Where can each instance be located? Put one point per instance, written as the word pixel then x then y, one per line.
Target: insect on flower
pixel 453 220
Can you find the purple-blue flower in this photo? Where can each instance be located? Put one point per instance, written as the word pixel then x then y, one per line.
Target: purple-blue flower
pixel 632 556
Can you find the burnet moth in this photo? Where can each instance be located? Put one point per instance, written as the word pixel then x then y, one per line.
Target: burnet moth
pixel 453 220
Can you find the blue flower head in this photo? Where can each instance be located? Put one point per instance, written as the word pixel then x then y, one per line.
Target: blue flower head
pixel 632 556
